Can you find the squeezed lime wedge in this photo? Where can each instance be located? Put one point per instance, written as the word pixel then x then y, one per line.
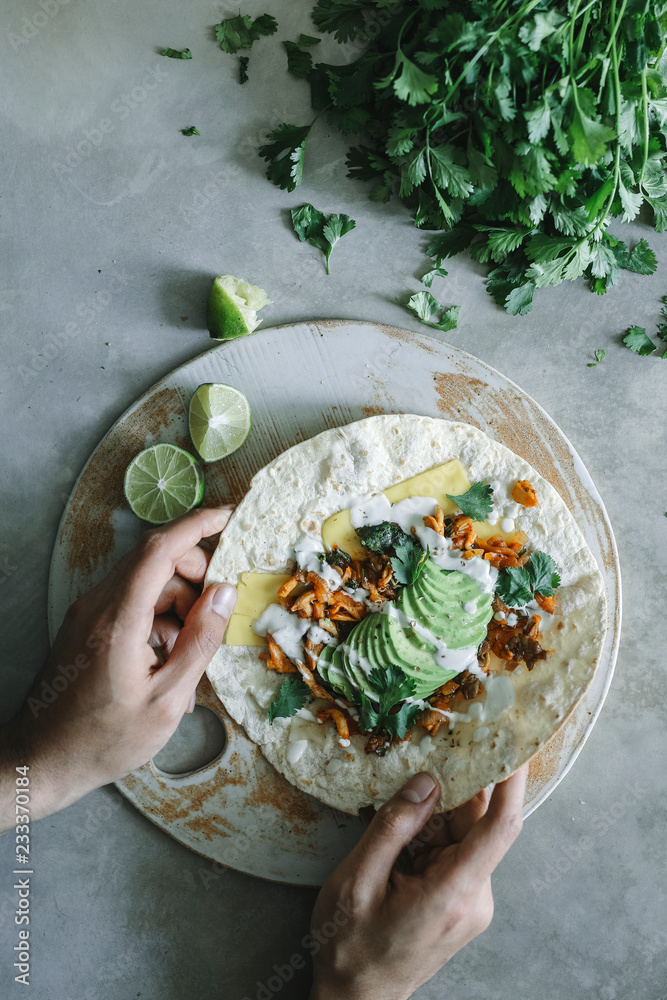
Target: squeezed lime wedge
pixel 220 420
pixel 231 310
pixel 163 482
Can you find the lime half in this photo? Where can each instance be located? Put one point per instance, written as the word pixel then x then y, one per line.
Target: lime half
pixel 163 482
pixel 220 420
pixel 231 310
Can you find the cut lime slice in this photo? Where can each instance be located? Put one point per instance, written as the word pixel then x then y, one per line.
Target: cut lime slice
pixel 163 482
pixel 220 420
pixel 231 310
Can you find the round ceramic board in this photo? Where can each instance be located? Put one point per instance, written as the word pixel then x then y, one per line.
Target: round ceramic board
pixel 300 380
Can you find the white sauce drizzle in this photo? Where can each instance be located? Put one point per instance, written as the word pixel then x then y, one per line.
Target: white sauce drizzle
pixel 296 750
pixel 507 524
pixel 287 629
pixel 307 553
pixel 318 635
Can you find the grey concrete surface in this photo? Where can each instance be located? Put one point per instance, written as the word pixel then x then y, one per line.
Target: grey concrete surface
pixel 122 238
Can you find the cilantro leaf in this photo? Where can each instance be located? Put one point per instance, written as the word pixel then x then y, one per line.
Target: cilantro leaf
pixel 589 138
pixel 308 224
pixel 336 227
pixel 368 716
pixel 299 63
pixel 409 562
pixel 292 695
pixel 519 300
pixel 641 259
pixel 284 153
pixel 344 18
pixel 517 585
pixel 600 355
pixel 544 576
pixel 513 586
pixel 477 502
pixel 240 31
pixel 638 342
pixel 437 272
pixel 176 54
pixel 398 723
pixel 243 69
pixel 191 130
pixel 321 231
pixel 424 305
pixel 388 688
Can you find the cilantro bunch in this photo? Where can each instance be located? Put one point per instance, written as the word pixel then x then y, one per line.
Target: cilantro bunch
pixel 517 129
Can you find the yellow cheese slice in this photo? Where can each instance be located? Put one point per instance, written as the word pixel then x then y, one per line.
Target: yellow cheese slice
pixel 258 590
pixel 435 482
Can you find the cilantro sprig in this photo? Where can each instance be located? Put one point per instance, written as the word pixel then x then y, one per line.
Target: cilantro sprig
pixel 517 585
pixel 425 305
pixel 292 695
pixel 321 231
pixel 390 687
pixel 477 502
pixel 408 562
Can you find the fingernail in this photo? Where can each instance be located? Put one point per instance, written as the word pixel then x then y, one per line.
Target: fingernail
pixel 223 600
pixel 191 707
pixel 418 788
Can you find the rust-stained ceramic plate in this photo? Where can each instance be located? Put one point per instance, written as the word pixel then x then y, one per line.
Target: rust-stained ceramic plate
pixel 299 381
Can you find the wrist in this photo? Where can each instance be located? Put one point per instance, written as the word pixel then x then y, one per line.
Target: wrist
pixel 52 782
pixel 331 987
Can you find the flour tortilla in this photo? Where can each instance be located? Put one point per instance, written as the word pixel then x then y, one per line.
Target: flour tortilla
pixel 294 494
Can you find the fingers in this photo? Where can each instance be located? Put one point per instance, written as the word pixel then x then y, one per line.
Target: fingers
pixel 200 637
pixel 392 829
pixel 163 636
pixel 492 836
pixel 160 550
pixel 193 564
pixel 465 816
pixel 177 595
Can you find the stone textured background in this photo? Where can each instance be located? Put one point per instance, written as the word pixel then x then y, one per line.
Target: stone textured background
pixel 105 260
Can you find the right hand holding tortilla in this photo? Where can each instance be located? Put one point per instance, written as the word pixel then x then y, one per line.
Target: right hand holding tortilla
pixel 382 932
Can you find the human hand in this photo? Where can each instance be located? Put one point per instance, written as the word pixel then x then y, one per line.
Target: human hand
pixel 124 666
pixel 390 932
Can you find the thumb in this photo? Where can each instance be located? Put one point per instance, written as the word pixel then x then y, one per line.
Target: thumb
pixel 200 637
pixel 393 827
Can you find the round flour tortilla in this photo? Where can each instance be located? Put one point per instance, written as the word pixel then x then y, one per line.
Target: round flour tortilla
pixel 295 494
